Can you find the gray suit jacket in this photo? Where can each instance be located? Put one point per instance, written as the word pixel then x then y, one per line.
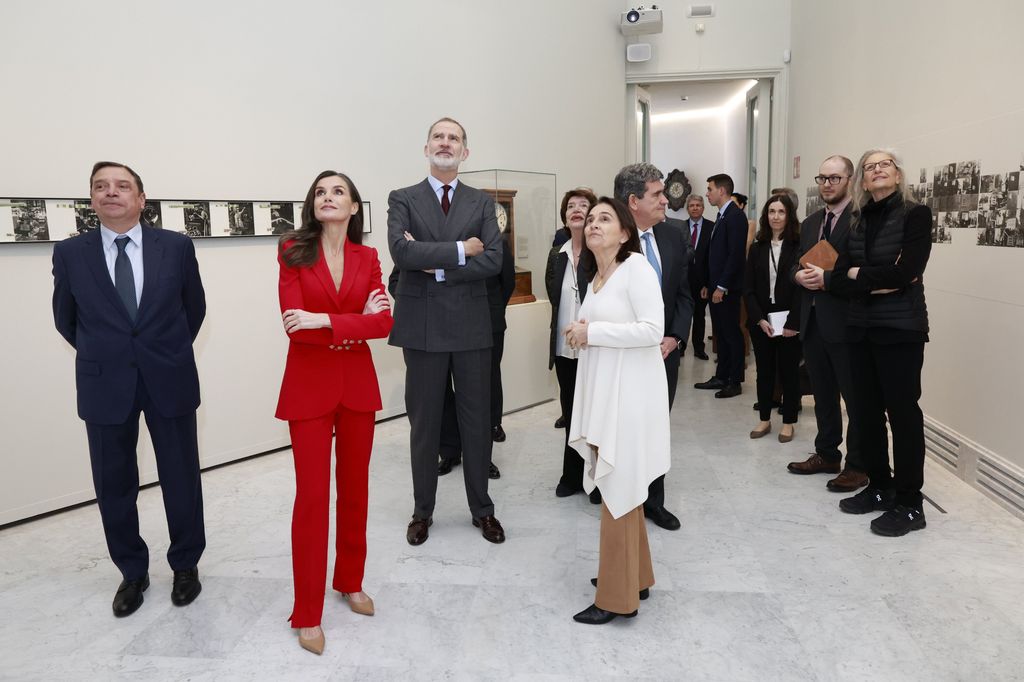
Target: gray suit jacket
pixel 830 310
pixel 442 316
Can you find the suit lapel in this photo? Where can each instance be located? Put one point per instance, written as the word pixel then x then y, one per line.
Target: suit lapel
pixel 152 259
pixel 428 209
pixel 841 227
pixel 93 247
pixel 323 275
pixel 665 251
pixel 353 264
pixel 461 209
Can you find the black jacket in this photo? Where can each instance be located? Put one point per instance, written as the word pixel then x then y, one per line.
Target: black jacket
pixel 756 281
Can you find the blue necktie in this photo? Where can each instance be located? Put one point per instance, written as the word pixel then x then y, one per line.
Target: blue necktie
pixel 124 278
pixel 651 258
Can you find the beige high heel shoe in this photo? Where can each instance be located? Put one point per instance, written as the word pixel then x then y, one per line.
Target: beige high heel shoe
pixel 363 608
pixel 786 437
pixel 313 644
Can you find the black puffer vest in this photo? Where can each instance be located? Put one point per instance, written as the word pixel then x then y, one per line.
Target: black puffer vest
pixel 904 309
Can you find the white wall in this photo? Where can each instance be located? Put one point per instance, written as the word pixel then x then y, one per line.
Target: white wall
pixel 206 100
pixel 879 73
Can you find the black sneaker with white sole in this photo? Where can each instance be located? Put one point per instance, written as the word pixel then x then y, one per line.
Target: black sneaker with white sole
pixel 899 521
pixel 869 500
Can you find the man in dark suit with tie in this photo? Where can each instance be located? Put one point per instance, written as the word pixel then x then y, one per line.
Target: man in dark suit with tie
pixel 700 237
pixel 665 243
pixel 823 333
pixel 444 239
pixel 727 252
pixel 130 301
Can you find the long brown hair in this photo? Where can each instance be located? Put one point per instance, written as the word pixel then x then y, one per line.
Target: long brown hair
pixel 588 263
pixel 791 232
pixel 304 243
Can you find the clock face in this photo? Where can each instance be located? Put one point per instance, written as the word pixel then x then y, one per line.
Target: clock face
pixel 502 215
pixel 675 189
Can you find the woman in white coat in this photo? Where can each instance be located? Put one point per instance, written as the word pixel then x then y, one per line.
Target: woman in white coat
pixel 620 423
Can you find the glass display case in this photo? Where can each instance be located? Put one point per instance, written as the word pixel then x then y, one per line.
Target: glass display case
pixel 527 212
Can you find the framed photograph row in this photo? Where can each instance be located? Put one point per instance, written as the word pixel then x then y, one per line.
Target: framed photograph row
pixel 48 220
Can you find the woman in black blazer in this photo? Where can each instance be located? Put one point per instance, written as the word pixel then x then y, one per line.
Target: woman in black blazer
pixel 566 290
pixel 767 289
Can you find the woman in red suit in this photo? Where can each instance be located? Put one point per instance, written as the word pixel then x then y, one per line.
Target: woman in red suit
pixel 332 302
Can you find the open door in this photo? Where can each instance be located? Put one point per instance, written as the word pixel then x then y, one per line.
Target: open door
pixel 638 125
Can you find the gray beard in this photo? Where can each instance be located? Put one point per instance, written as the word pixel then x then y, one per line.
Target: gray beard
pixel 444 163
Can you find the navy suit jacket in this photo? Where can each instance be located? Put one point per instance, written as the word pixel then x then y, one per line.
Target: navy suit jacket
pixel 727 252
pixel 112 350
pixel 673 239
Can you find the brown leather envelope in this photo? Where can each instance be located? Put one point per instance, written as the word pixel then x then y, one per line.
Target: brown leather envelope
pixel 822 255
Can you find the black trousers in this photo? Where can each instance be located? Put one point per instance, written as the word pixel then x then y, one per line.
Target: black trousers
pixel 451 442
pixel 887 380
pixel 426 376
pixel 828 366
pixel 725 317
pixel 572 463
pixel 782 354
pixel 115 475
pixel 698 331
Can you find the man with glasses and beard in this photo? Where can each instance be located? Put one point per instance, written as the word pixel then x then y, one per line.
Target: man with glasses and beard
pixel 823 332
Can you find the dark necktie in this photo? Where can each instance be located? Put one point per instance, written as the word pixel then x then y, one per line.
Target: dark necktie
pixel 826 229
pixel 445 202
pixel 693 235
pixel 124 278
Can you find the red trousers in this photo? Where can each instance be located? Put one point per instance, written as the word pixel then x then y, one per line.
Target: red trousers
pixel 311 448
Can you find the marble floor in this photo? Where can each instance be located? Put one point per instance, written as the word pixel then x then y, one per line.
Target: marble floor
pixel 766 580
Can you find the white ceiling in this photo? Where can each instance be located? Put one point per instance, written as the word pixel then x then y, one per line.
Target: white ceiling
pixel 665 97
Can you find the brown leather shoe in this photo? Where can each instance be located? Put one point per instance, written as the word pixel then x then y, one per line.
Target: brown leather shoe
pixel 490 529
pixel 815 464
pixel 416 533
pixel 847 481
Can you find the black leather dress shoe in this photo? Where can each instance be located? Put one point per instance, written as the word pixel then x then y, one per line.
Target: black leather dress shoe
pixel 498 434
pixel 644 593
pixel 446 466
pixel 700 354
pixel 560 423
pixel 492 471
pixel 729 391
pixel 563 490
pixel 490 529
pixel 595 616
pixel 662 517
pixel 417 533
pixel 714 383
pixel 185 587
pixel 128 597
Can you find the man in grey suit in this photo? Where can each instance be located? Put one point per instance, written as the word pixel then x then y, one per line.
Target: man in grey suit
pixel 823 334
pixel 665 244
pixel 445 242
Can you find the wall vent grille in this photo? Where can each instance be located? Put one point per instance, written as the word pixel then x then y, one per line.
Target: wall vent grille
pixel 944 449
pixel 1001 483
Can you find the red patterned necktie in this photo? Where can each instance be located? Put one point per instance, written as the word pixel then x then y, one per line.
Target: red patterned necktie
pixel 693 235
pixel 445 202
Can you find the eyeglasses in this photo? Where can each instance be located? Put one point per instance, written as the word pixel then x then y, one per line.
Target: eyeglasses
pixel 830 179
pixel 881 165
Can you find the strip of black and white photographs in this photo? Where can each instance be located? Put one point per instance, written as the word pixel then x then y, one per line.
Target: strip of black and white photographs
pixel 999 218
pixel 41 220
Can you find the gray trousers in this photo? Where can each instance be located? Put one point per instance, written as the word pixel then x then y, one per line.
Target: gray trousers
pixel 426 375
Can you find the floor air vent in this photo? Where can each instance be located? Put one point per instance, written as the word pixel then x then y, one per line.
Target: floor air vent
pixel 944 449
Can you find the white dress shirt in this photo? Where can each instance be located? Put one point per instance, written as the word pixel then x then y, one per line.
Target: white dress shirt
pixel 438 188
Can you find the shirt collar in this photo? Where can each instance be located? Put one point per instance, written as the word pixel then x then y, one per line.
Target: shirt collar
pixel 108 236
pixel 437 184
pixel 840 207
pixel 566 247
pixel 721 211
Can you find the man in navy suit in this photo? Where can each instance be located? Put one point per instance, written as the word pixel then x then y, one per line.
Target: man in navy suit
pixel 700 237
pixel 726 255
pixel 129 300
pixel 665 245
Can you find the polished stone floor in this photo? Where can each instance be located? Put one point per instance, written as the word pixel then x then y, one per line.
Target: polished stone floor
pixel 766 580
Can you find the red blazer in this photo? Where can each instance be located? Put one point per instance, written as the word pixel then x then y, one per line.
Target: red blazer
pixel 328 367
